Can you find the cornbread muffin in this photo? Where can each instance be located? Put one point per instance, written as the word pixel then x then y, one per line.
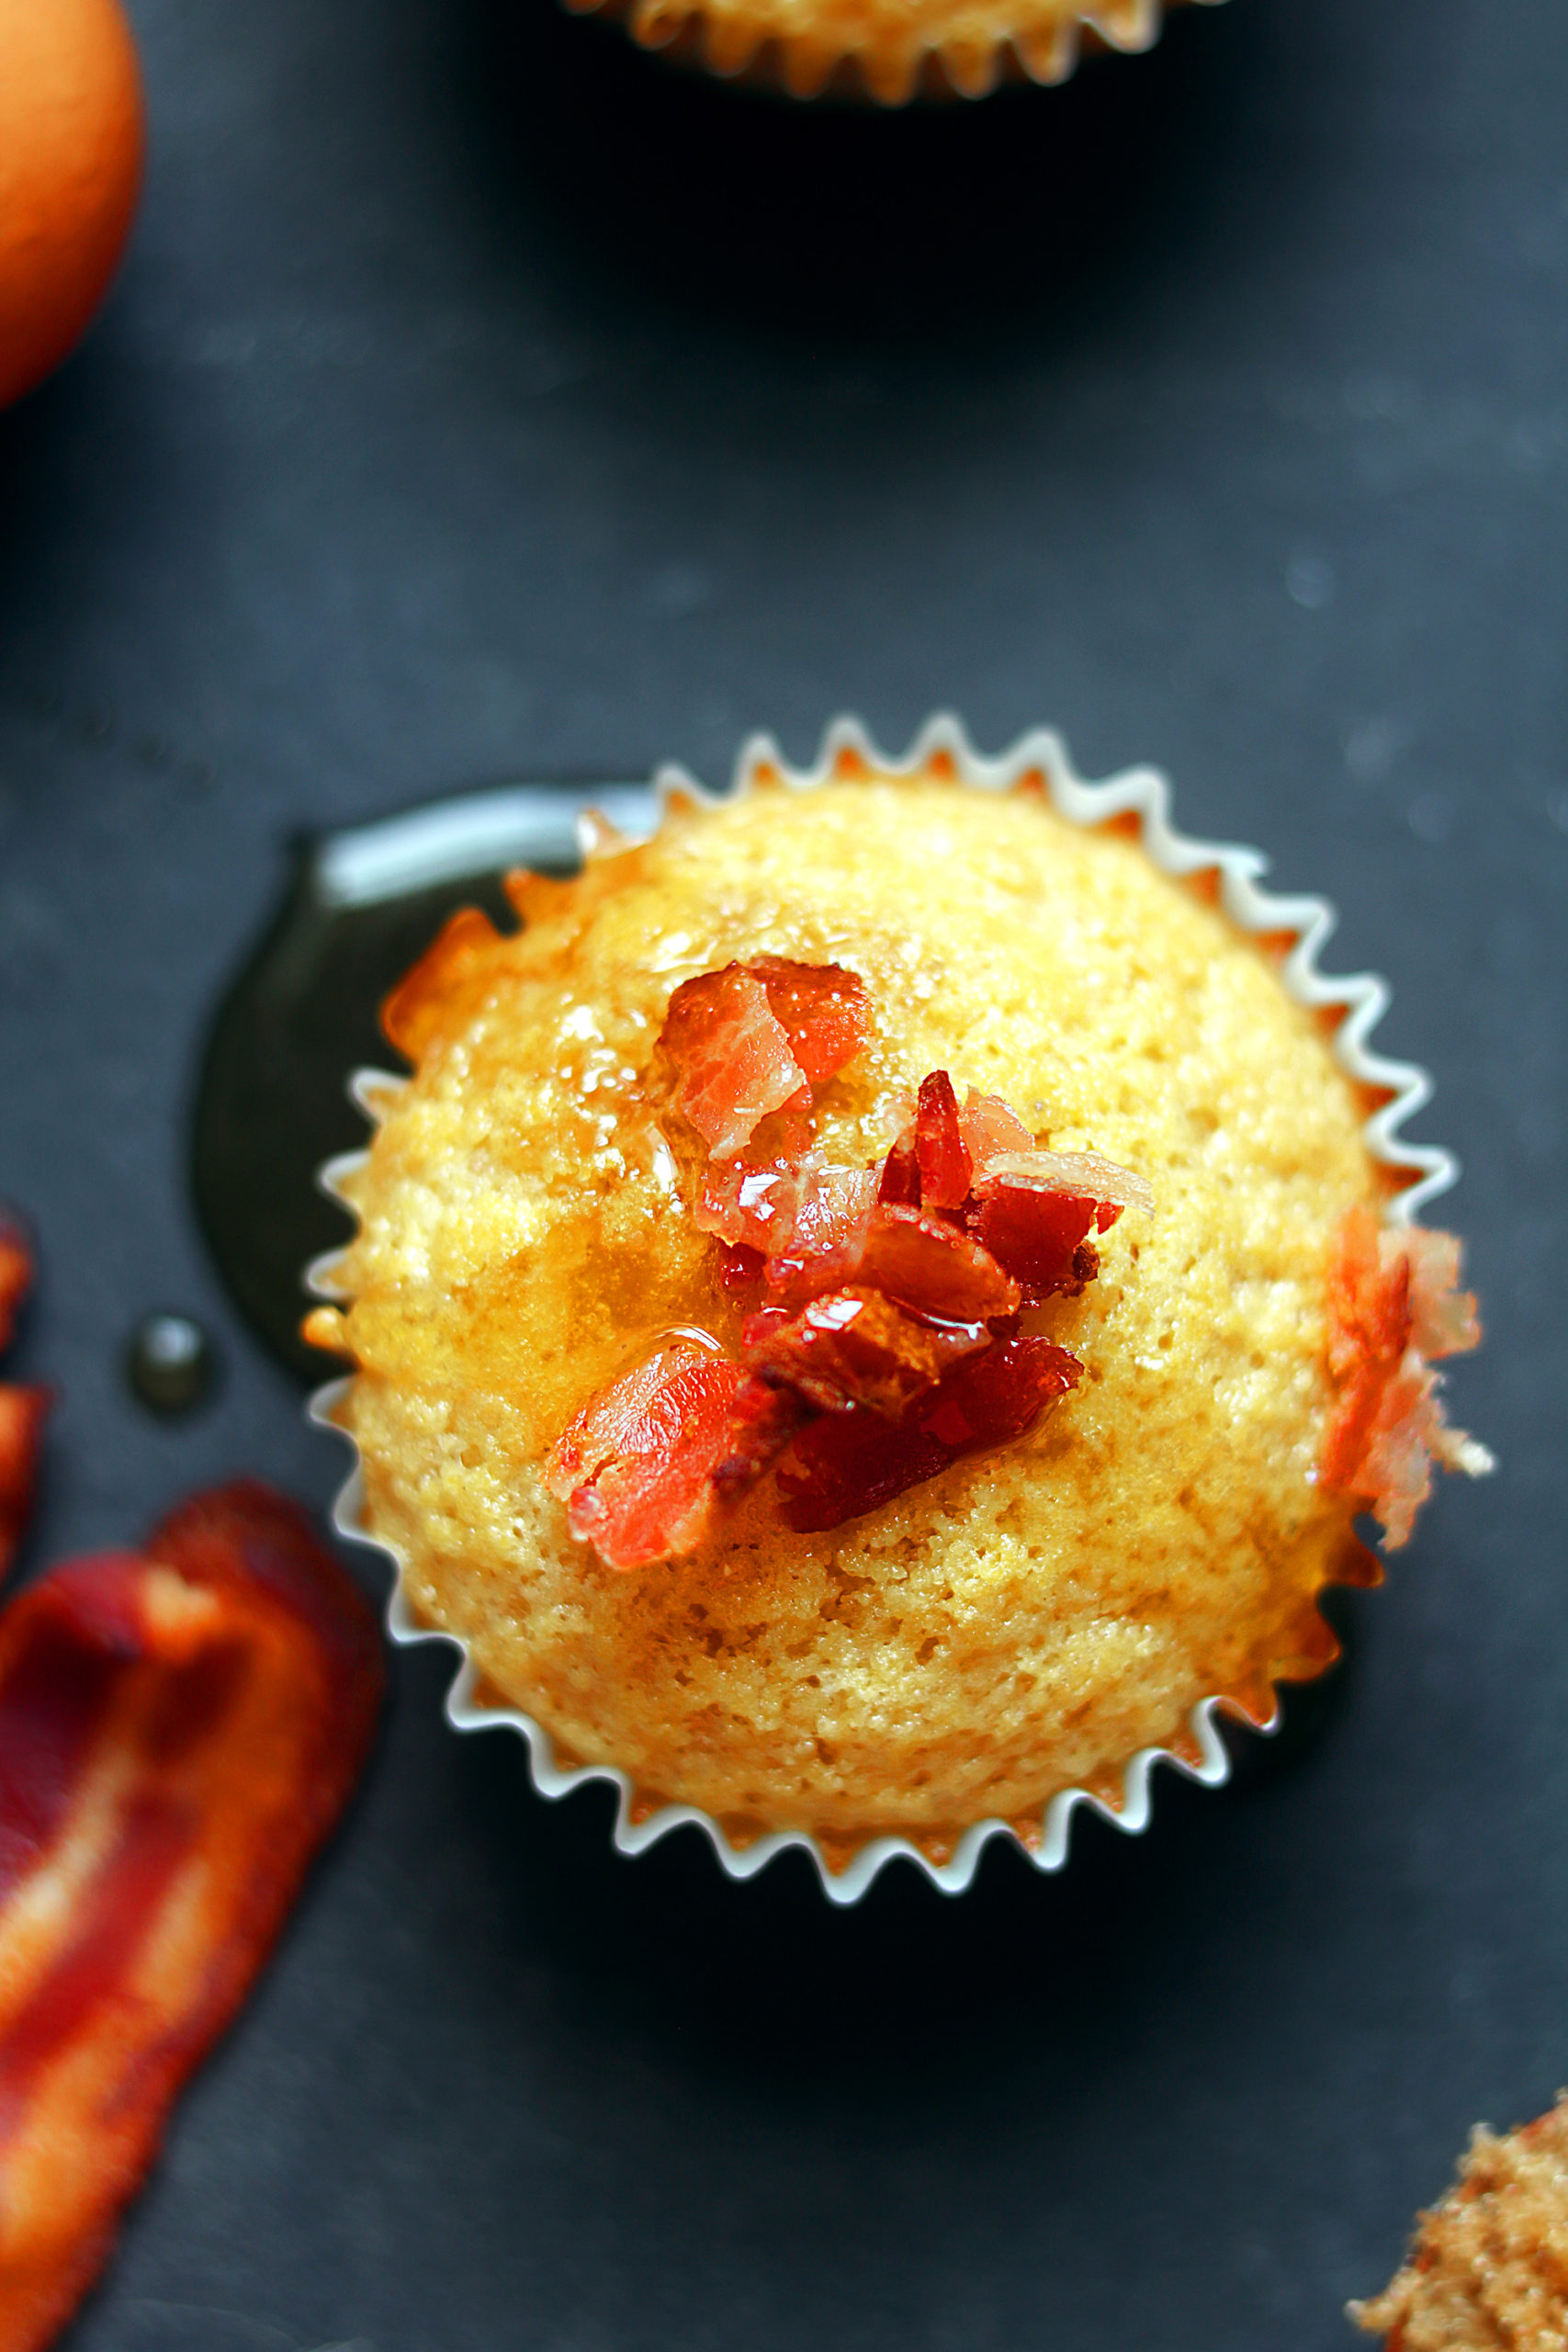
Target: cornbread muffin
pixel 1488 2271
pixel 1026 1617
pixel 880 48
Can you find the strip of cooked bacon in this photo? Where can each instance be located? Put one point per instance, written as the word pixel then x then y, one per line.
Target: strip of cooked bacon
pixel 945 1163
pixel 855 1347
pixel 179 1730
pixel 731 1057
pixel 844 1465
pixel 636 1468
pixel 823 1010
pixel 1391 1305
pixel 22 1410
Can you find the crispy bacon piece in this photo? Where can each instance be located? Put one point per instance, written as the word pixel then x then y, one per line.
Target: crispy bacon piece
pixel 1040 1236
pixel 844 1465
pixel 731 1057
pixel 750 1205
pixel 636 1468
pixel 989 1127
pixel 740 1269
pixel 179 1730
pixel 899 1184
pixel 919 1260
pixel 823 1010
pixel 1393 1304
pixel 1087 1175
pixel 855 1347
pixel 22 1410
pixel 945 1163
pixel 763 1419
pixel 934 1269
pixel 1034 1211
pixel 787 1210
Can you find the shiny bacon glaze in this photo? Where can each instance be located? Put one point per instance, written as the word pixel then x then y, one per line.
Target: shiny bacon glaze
pixel 887 1346
pixel 179 1729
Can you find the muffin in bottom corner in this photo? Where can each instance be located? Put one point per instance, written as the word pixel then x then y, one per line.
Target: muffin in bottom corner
pixel 1022 1623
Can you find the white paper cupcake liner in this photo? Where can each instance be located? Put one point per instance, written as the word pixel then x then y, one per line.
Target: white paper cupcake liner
pixel 1360 998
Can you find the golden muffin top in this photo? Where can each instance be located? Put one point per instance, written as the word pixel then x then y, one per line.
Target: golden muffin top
pixel 1027 1616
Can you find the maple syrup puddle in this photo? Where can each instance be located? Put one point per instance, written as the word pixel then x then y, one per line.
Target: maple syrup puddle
pixel 271 1103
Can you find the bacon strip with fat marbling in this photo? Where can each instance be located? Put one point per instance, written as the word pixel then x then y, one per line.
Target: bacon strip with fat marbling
pixel 179 1730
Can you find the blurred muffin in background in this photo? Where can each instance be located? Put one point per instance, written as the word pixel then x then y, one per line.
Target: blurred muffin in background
pixel 1488 2269
pixel 887 50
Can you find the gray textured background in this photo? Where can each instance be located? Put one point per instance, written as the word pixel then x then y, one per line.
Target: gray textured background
pixel 480 398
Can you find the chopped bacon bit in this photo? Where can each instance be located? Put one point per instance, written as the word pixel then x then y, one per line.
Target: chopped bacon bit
pixel 933 1268
pixel 844 1465
pixel 827 1239
pixel 1443 1319
pixel 786 1213
pixel 946 1165
pixel 731 1056
pixel 635 1467
pixel 1087 1174
pixel 179 1731
pixel 1040 1237
pixel 750 1205
pixel 22 1410
pixel 899 1186
pixel 763 1419
pixel 854 1347
pixel 990 1127
pixel 740 1269
pixel 823 1010
pixel 1391 1304
pixel 834 1206
pixel 1034 1211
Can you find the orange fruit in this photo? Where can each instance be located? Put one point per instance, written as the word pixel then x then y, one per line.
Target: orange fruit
pixel 72 136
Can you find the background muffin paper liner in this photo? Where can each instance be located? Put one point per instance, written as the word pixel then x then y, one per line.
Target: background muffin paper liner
pixel 1139 794
pixel 880 50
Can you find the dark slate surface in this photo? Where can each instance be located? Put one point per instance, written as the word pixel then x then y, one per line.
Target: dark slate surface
pixel 481 400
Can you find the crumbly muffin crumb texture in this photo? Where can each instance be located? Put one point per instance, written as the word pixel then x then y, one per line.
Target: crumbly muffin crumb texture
pixel 1488 2270
pixel 1021 1624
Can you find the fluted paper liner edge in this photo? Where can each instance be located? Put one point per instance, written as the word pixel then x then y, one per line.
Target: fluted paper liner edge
pixel 1362 998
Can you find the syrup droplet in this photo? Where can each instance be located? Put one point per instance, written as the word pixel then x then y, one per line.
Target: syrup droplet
pixel 171 1364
